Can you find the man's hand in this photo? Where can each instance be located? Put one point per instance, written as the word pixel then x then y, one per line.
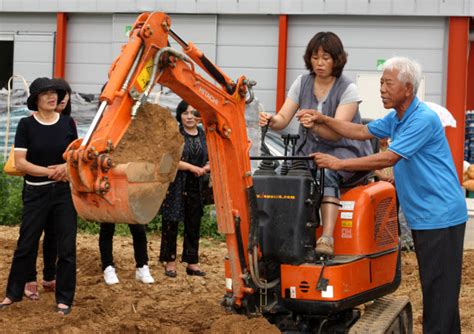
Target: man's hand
pixel 58 172
pixel 305 117
pixel 264 119
pixel 327 161
pixel 309 117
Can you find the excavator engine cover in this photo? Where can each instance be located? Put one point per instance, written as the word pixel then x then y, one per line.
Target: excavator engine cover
pixel 288 217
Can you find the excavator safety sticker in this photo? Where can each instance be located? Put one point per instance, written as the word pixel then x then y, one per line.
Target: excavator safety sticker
pixel 346 223
pixel 346 215
pixel 292 292
pixel 346 233
pixel 265 196
pixel 328 293
pixel 347 205
pixel 144 76
pixel 228 283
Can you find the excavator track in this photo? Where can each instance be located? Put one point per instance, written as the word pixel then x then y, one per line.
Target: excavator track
pixel 389 314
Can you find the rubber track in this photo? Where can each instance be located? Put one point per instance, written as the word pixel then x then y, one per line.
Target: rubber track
pixel 378 316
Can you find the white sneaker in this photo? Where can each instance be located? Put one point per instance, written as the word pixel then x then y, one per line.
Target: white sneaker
pixel 143 274
pixel 110 276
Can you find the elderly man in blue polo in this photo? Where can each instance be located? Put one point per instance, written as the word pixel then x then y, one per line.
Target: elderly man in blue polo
pixel 427 184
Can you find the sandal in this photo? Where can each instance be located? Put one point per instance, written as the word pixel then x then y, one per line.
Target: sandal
pixel 31 291
pixel 325 246
pixel 171 273
pixel 4 306
pixel 63 310
pixel 49 286
pixel 196 272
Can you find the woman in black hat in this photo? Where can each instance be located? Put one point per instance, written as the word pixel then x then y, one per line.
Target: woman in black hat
pixel 40 141
pixel 50 253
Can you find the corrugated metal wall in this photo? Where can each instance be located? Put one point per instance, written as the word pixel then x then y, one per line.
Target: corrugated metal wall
pixel 33 37
pixel 248 45
pixel 94 41
pixel 259 7
pixel 89 51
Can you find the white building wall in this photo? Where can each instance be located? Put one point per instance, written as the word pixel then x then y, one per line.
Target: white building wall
pixel 95 40
pixel 258 7
pixel 89 51
pixel 248 45
pixel 33 36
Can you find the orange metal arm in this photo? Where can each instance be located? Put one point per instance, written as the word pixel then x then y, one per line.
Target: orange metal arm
pixel 146 60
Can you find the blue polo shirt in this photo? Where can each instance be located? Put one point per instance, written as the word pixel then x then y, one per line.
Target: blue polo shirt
pixel 426 180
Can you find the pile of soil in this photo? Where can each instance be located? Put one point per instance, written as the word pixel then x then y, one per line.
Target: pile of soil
pixel 151 134
pixel 186 304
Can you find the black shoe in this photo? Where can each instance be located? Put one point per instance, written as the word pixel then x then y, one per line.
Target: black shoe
pixel 171 273
pixel 4 306
pixel 198 272
pixel 63 310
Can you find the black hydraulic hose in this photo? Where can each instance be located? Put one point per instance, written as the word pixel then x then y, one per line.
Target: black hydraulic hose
pixel 265 151
pixel 216 74
pixel 303 142
pixel 254 224
pixel 178 39
pixel 240 245
pixel 321 183
pixel 280 158
pixel 263 147
pixel 213 70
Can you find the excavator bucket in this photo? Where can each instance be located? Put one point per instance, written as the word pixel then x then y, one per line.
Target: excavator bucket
pixel 143 165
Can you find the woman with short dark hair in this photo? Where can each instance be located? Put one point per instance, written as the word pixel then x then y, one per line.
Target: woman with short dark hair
pixel 324 89
pixel 64 106
pixel 40 141
pixel 184 200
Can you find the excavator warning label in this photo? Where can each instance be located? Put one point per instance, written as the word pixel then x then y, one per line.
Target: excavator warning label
pixel 346 223
pixel 328 293
pixel 268 196
pixel 144 76
pixel 346 215
pixel 228 283
pixel 347 205
pixel 292 292
pixel 346 233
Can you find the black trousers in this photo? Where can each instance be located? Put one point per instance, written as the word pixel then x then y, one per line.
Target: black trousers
pixel 439 253
pixel 193 212
pixel 139 244
pixel 41 203
pixel 50 254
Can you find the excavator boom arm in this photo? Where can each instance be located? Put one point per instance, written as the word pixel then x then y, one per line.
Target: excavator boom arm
pixel 144 61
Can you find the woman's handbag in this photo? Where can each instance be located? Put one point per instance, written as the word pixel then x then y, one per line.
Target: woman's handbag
pixel 9 167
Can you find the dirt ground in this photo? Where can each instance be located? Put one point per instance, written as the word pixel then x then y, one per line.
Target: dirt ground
pixel 182 305
pixel 141 143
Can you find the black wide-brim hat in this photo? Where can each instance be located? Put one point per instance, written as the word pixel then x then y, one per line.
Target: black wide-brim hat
pixel 39 86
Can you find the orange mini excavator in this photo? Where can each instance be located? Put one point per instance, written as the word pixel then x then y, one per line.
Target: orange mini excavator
pixel 270 219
